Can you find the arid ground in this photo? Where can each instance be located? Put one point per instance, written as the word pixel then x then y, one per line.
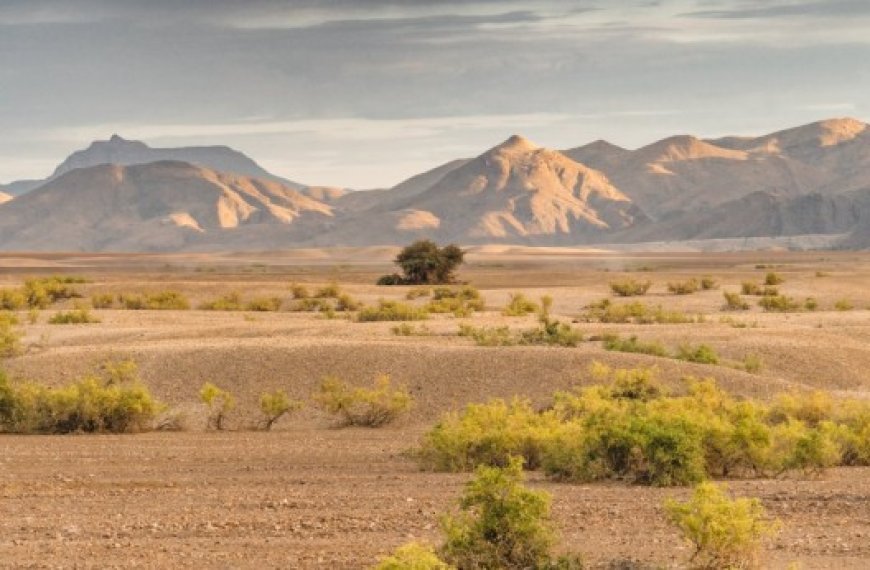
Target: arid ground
pixel 309 495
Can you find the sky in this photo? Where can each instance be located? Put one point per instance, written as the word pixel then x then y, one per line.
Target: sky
pixel 364 93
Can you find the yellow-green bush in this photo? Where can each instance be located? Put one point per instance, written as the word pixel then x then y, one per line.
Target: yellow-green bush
pixel 551 332
pixel 632 344
pixel 330 291
pixel 392 311
pixel 219 403
pixel 274 406
pixel 299 291
pixel 778 303
pixel 843 305
pixel 487 434
pixel 725 533
pixel 264 304
pixel 629 287
pixel 103 301
pixel 684 287
pixel 630 428
pixel 413 556
pixel 773 278
pixel 10 338
pixel 519 306
pixel 12 300
pixel 161 301
pixel 73 317
pixel 734 302
pixel 488 336
pixel 93 404
pixel 605 311
pixel 367 407
pixel 702 354
pixel 708 283
pixel 40 293
pixel 229 302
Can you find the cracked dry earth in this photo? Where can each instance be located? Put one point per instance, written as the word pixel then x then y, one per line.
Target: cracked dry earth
pixel 310 496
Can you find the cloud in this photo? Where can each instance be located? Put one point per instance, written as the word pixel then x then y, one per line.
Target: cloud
pixel 779 10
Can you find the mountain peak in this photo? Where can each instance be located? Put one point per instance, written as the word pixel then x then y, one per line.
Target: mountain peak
pixel 516 143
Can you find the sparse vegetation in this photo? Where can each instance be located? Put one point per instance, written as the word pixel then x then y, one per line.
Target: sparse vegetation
pixel 366 407
pixel 10 337
pixel 219 403
pixel 725 533
pixel 462 301
pixel 843 305
pixel 103 301
pixel 392 311
pixel 629 287
pixel 488 336
pixel 299 291
pixel 773 278
pixel 413 556
pixel 405 329
pixel 708 283
pixel 417 292
pixel 778 304
pixel 701 354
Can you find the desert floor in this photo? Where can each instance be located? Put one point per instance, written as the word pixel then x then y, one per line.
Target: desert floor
pixel 309 495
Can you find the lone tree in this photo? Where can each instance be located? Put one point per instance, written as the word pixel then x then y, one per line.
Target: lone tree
pixel 423 262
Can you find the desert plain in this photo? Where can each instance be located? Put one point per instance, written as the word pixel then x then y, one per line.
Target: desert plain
pixel 310 495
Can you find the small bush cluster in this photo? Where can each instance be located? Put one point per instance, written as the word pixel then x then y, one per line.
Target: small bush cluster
pixel 73 317
pixel 219 403
pixel 629 287
pixel 274 406
pixel 632 344
pixel 366 407
pixel 605 311
pixel 630 428
pixel 40 293
pixel 754 289
pixel 773 279
pixel 392 311
pixel 462 301
pixel 115 403
pixel 778 303
pixel 328 300
pixel 549 332
pixel 103 301
pixel 160 301
pixel 405 329
pixel 684 287
pixel 734 302
pixel 233 302
pixel 488 336
pixel 843 305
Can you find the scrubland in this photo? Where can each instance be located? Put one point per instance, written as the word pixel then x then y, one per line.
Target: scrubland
pixel 306 345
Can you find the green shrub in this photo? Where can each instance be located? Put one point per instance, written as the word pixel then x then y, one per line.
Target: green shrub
pixel 773 279
pixel 702 354
pixel 365 407
pixel 500 524
pixel 725 533
pixel 413 556
pixel 93 404
pixel 392 311
pixel 162 301
pixel 629 287
pixel 632 344
pixel 551 332
pixel 708 283
pixel 424 262
pixel 392 279
pixel 519 306
pixel 843 305
pixel 734 302
pixel 103 301
pixel 684 287
pixel 488 336
pixel 778 303
pixel 810 304
pixel 274 406
pixel 219 403
pixel 74 317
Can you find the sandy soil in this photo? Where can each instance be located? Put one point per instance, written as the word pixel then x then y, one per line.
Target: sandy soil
pixel 308 495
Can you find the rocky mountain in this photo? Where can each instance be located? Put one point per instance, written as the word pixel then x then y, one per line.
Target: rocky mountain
pixel 158 206
pixel 809 180
pixel 684 173
pixel 515 192
pixel 120 151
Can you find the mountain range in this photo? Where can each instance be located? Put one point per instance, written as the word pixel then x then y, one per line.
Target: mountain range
pixel 122 195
